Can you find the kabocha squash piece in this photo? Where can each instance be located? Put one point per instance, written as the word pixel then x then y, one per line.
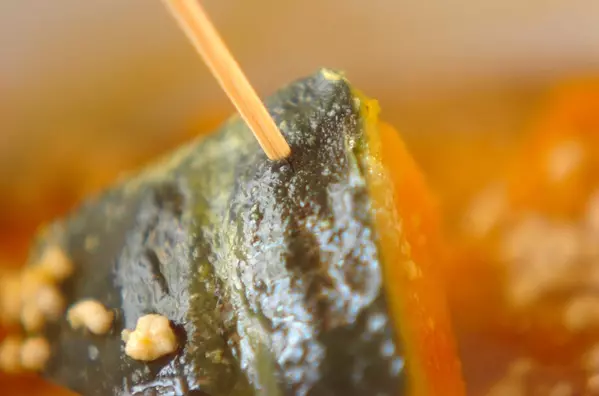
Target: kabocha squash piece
pixel 278 278
pixel 559 190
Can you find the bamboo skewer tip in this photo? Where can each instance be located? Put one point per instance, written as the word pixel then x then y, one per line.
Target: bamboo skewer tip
pixel 201 32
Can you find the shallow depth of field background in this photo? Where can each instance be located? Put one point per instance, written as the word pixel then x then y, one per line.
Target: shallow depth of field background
pixel 89 89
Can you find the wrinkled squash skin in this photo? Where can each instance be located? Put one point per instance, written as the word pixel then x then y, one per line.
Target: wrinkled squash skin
pixel 269 271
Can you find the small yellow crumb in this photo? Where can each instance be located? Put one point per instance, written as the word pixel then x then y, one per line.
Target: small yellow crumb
pixel 10 298
pixel 331 75
pixel 50 301
pixel 32 317
pixel 92 315
pixel 10 354
pixel 35 353
pixel 56 263
pixel 32 280
pixel 152 338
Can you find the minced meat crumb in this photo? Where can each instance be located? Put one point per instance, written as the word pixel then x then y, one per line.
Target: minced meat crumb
pixel 55 263
pixel 10 354
pixel 35 353
pixel 152 338
pixel 92 315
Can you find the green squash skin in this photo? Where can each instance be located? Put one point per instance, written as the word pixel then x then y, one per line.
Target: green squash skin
pixel 268 271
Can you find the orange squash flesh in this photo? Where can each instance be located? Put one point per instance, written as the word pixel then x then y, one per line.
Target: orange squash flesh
pixel 411 247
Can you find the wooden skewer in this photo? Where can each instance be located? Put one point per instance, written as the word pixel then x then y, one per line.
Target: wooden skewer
pixel 202 33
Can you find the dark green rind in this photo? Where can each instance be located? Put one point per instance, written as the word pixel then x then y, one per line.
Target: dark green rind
pixel 269 271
